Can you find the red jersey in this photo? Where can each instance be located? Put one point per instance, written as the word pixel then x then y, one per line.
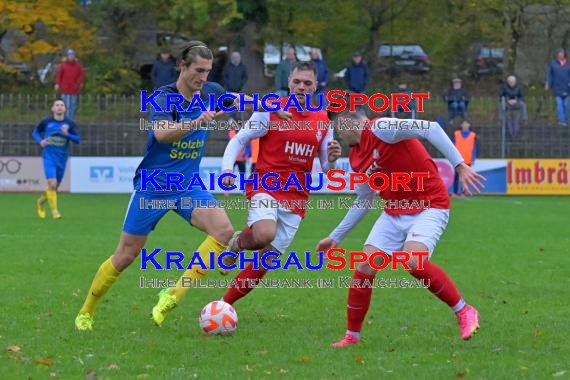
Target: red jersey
pixel 403 157
pixel 288 150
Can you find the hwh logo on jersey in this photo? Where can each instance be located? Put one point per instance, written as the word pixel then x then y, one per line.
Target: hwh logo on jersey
pixel 299 149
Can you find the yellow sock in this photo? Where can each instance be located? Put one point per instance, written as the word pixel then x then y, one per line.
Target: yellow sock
pixel 43 197
pixel 196 273
pixel 52 199
pixel 104 279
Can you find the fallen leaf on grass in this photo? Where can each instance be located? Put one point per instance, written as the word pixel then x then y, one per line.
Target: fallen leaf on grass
pixel 112 367
pixel 283 370
pixel 462 373
pixel 559 373
pixel 90 374
pixel 248 369
pixel 43 361
pixel 13 348
pixel 53 374
pixel 538 333
pixel 306 359
pixel 359 359
pixel 523 368
pixel 143 376
pixel 267 372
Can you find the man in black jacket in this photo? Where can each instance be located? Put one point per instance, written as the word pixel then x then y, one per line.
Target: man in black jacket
pixel 512 105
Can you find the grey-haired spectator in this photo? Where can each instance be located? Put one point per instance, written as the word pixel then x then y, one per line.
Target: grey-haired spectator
pixel 558 79
pixel 68 81
pixel 457 100
pixel 356 75
pixel 513 107
pixel 164 70
pixel 283 71
pixel 235 76
pixel 322 74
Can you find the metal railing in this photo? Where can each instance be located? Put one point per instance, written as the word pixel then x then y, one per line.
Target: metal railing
pixel 109 126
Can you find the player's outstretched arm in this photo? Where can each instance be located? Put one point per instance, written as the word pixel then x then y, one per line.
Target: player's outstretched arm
pixel 393 130
pixel 364 195
pixel 257 126
pixel 471 181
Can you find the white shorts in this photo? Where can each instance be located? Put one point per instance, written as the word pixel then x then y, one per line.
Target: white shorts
pixel 390 232
pixel 287 221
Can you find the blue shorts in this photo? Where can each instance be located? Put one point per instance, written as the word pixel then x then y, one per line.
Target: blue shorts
pixel 140 220
pixel 54 168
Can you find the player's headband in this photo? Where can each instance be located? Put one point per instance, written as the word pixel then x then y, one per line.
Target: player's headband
pixel 187 50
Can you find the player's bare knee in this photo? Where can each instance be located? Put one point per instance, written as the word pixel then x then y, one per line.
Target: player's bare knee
pixel 264 235
pixel 366 269
pixel 378 261
pixel 414 263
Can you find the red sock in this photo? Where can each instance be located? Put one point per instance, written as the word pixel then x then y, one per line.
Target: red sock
pixel 358 301
pixel 234 293
pixel 439 283
pixel 245 240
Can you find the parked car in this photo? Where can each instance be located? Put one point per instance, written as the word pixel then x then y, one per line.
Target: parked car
pixel 272 57
pixel 403 57
pixel 489 61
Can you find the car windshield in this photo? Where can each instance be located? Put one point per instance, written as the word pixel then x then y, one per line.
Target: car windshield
pixel 492 52
pixel 395 50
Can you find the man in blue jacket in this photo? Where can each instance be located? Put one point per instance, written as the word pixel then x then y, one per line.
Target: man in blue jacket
pixel 357 75
pixel 558 79
pixel 164 70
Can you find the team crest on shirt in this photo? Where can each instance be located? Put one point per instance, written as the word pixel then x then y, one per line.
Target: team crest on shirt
pixel 319 135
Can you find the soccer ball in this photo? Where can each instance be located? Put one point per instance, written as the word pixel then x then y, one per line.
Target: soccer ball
pixel 218 318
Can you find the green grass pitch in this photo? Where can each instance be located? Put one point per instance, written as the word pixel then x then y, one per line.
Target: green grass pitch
pixel 508 256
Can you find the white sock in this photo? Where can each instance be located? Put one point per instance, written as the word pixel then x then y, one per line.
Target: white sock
pixel 353 333
pixel 460 305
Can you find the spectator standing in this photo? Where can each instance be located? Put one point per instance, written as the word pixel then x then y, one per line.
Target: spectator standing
pixel 282 73
pixel 512 105
pixel 68 81
pixel 220 61
pixel 558 80
pixel 164 70
pixel 457 100
pixel 357 75
pixel 401 113
pixel 235 77
pixel 465 141
pixel 322 75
